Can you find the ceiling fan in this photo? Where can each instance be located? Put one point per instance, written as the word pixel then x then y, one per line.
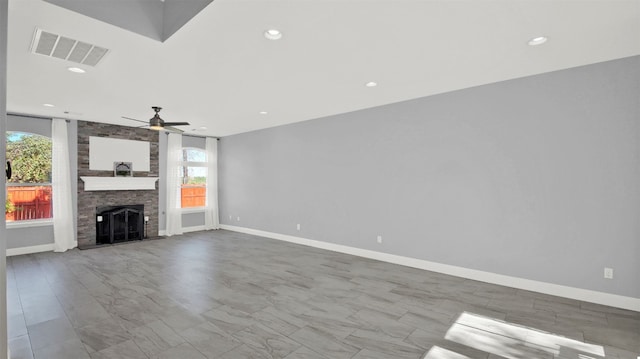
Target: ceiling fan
pixel 156 123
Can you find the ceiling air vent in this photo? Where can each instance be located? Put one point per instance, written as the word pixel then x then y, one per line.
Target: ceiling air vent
pixel 52 45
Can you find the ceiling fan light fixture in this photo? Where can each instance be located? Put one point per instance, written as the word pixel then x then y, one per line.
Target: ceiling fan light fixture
pixel 156 122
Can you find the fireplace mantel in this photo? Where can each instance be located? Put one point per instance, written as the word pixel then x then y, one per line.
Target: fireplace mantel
pixel 118 183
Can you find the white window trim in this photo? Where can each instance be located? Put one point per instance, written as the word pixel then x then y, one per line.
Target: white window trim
pixel 30 223
pixel 193 210
pixel 27 184
pixel 194 164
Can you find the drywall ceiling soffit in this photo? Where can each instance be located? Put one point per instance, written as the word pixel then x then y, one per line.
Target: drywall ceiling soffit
pixel 155 19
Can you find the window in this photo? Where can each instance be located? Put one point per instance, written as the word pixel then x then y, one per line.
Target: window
pixel 193 188
pixel 29 188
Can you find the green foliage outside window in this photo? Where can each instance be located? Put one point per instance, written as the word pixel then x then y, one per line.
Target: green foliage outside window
pixel 9 207
pixel 30 157
pixel 197 180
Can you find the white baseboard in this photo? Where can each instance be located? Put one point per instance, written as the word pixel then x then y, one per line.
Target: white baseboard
pixel 586 295
pixel 185 230
pixel 28 250
pixel 193 229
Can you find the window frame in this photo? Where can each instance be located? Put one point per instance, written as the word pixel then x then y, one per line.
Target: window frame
pixel 25 223
pixel 186 164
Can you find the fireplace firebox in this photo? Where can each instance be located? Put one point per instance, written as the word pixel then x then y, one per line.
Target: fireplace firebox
pixel 116 224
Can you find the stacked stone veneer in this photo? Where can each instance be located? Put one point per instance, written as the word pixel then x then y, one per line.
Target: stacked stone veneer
pixel 89 200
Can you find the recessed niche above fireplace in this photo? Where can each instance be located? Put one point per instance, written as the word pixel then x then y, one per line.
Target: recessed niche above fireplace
pixel 104 151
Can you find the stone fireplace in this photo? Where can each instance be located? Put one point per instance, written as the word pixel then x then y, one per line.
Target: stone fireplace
pixel 90 200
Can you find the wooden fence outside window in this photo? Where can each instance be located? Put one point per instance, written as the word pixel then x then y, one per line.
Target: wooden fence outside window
pixel 28 203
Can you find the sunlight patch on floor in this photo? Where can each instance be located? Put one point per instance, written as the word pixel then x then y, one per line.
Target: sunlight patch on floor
pixel 516 341
pixel 440 353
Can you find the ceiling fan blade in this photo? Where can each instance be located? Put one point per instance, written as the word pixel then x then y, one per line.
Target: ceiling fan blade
pixel 176 123
pixel 133 119
pixel 173 129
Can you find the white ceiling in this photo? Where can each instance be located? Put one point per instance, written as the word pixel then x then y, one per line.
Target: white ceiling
pixel 219 71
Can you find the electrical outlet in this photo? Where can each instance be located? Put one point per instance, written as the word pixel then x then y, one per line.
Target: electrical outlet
pixel 238 218
pixel 380 239
pixel 608 273
pixel 298 226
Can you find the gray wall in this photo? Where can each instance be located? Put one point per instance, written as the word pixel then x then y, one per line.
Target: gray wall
pixel 34 236
pixel 193 219
pixel 39 126
pixel 536 178
pixel 29 236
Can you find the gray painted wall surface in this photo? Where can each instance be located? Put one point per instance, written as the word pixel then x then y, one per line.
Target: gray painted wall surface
pixel 536 178
pixel 39 126
pixel 29 236
pixel 35 236
pixel 195 219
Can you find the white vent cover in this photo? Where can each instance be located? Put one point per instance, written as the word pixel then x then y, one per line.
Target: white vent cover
pixel 48 44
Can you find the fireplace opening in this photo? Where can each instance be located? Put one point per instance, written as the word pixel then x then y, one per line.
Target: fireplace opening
pixel 122 223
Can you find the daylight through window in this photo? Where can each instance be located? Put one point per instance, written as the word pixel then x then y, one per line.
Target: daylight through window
pixel 29 188
pixel 193 188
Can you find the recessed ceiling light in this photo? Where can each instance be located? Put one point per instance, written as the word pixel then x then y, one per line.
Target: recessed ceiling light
pixel 76 70
pixel 371 84
pixel 263 112
pixel 48 105
pixel 273 34
pixel 537 41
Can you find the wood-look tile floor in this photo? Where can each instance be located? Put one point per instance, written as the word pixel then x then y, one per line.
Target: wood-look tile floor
pixel 220 294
